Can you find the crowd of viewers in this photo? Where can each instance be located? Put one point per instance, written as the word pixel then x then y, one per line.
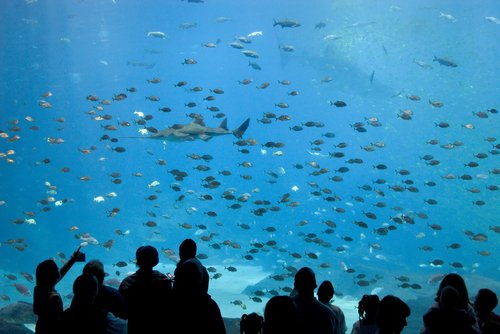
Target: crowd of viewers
pixel 150 302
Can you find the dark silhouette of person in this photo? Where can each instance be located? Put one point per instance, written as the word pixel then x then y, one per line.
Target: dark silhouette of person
pixel 448 317
pixel 147 294
pixel 281 316
pixel 108 299
pixel 456 281
pixel 194 310
pixel 47 303
pixel 367 311
pixel 315 317
pixel 325 294
pixel 391 315
pixel 187 251
pixel 82 317
pixel 484 304
pixel 251 323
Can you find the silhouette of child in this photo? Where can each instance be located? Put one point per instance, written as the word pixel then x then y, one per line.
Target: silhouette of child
pixel 82 317
pixel 457 282
pixel 108 300
pixel 187 251
pixel 484 304
pixel 325 294
pixel 281 316
pixel 367 310
pixel 391 315
pixel 251 323
pixel 47 303
pixel 448 317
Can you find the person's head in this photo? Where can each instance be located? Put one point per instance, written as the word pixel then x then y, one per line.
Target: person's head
pixel 96 268
pixel 47 274
pixel 85 289
pixel 281 316
pixel 189 277
pixel 187 249
pixel 325 292
pixel 456 281
pixel 368 307
pixel 305 281
pixel 251 323
pixel 391 315
pixel 449 297
pixel 147 257
pixel 485 302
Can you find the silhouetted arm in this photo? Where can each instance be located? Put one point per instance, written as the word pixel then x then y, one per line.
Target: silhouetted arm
pixel 67 266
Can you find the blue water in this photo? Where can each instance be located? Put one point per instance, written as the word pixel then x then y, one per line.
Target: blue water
pixel 78 48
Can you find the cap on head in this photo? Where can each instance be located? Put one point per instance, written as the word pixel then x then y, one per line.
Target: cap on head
pixel 147 257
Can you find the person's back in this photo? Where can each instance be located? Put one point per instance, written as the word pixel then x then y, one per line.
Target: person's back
pixel 315 317
pixel 187 251
pixel 281 316
pixel 367 310
pixel 82 317
pixel 194 311
pixel 47 303
pixel 485 302
pixel 448 317
pixel 108 301
pixel 251 323
pixel 48 307
pixel 462 301
pixel 391 315
pixel 325 294
pixel 147 294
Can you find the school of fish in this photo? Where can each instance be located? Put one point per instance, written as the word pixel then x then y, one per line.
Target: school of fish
pixel 293 182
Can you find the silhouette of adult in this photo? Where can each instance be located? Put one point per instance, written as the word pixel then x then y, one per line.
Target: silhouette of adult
pixel 448 317
pixel 108 300
pixel 325 294
pixel 484 304
pixel 251 324
pixel 456 281
pixel 391 315
pixel 82 317
pixel 367 311
pixel 47 303
pixel 281 316
pixel 187 251
pixel 315 317
pixel 147 294
pixel 195 311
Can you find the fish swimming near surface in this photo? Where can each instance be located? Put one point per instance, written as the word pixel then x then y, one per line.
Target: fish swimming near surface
pixel 197 130
pixel 445 62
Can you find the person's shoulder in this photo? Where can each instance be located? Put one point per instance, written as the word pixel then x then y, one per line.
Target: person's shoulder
pixel 128 281
pixel 323 308
pixel 108 291
pixel 156 275
pixel 336 309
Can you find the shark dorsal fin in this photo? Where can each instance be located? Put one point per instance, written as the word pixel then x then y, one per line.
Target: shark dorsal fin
pixel 199 122
pixel 223 125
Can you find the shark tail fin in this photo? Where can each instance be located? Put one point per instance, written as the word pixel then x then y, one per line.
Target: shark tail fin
pixel 223 124
pixel 238 133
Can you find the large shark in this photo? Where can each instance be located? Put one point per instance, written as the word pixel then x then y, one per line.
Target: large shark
pixel 198 130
